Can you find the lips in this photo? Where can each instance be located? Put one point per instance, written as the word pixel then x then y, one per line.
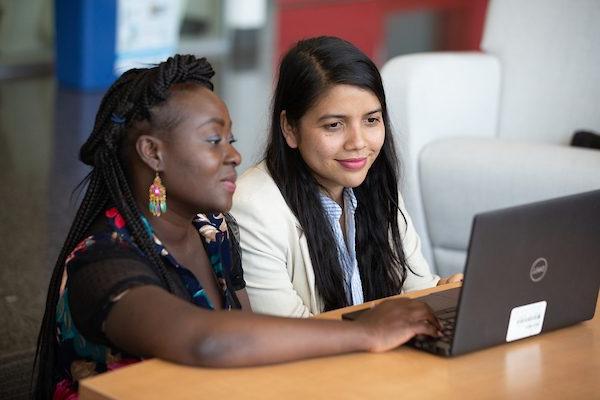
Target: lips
pixel 353 164
pixel 229 183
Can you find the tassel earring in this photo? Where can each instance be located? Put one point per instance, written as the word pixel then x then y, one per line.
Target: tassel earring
pixel 157 197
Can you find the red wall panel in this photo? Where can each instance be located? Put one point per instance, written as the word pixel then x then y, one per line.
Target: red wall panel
pixel 363 22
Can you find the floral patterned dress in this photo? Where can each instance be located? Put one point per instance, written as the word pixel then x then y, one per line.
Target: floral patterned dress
pixel 113 249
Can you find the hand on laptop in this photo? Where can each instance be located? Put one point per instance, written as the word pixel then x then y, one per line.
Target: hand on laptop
pixel 394 322
pixel 450 279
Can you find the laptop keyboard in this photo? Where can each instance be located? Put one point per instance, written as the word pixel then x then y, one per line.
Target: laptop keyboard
pixel 447 319
pixel 446 316
pixel 441 345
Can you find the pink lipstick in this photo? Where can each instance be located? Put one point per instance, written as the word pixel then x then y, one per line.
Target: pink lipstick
pixel 353 164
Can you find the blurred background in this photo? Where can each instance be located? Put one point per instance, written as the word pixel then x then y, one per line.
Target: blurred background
pixel 57 58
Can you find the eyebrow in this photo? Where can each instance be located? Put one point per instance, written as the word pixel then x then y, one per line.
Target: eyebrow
pixel 327 116
pixel 214 120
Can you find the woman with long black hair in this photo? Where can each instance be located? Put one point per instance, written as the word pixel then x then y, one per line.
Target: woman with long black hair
pixel 321 220
pixel 143 274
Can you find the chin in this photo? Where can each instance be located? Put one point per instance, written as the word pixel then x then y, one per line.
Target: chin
pixel 225 206
pixel 352 183
pixel 222 202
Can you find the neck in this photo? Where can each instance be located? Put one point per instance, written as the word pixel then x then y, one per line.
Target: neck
pixel 172 227
pixel 335 195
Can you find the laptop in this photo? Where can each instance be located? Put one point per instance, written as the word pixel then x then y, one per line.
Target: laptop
pixel 530 269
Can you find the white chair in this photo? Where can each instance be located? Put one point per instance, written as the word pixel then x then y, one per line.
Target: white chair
pixel 484 130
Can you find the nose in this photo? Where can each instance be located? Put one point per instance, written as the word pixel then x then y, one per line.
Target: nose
pixel 233 156
pixel 355 139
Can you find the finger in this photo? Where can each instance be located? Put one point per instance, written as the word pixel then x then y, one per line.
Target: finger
pixel 423 312
pixel 432 320
pixel 430 316
pixel 413 310
pixel 424 327
pixel 455 278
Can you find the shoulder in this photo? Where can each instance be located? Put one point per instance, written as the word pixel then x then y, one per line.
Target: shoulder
pixel 259 207
pixel 107 257
pixel 106 261
pixel 256 182
pixel 102 243
pixel 257 193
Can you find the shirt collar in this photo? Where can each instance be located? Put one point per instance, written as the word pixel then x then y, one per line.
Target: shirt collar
pixel 333 209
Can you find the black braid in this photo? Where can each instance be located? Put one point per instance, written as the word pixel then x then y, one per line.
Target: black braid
pixel 93 201
pixel 127 207
pixel 131 99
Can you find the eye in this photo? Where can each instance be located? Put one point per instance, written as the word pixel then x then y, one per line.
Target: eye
pixel 333 126
pixel 214 140
pixel 232 139
pixel 373 121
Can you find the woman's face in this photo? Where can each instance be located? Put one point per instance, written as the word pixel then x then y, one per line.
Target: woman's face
pixel 199 159
pixel 340 137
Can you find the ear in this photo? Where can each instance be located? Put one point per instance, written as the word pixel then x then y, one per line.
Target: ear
pixel 289 133
pixel 149 148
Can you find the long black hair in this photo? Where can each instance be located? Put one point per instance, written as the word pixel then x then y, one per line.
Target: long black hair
pixel 306 72
pixel 134 98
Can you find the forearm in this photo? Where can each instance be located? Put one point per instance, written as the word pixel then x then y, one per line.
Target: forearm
pixel 241 339
pixel 148 321
pixel 151 322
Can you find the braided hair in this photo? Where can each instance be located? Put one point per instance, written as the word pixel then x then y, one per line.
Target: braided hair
pixel 132 99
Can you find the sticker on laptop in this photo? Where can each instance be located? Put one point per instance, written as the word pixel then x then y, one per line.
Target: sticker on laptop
pixel 526 321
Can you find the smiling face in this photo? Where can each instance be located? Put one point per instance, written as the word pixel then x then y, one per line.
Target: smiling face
pixel 339 137
pixel 197 159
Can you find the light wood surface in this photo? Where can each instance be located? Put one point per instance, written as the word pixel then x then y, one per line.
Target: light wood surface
pixel 564 364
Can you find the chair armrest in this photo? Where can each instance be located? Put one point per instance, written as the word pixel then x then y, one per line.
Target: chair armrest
pixel 436 95
pixel 461 177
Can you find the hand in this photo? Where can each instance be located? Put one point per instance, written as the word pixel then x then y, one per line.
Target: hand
pixel 394 322
pixel 451 279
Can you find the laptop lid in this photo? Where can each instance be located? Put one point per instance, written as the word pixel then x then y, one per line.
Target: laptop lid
pixel 531 267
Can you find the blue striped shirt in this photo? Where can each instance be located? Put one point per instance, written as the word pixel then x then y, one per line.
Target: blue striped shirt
pixel 346 248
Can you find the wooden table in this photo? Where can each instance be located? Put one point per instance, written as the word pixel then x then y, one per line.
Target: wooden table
pixel 563 364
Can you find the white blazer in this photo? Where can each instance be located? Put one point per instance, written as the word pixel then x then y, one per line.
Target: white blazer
pixel 277 268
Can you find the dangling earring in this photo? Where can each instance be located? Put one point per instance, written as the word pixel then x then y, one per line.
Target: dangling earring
pixel 158 197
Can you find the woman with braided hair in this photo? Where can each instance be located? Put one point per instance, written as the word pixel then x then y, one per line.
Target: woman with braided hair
pixel 143 274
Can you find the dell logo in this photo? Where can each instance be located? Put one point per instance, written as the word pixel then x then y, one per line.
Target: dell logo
pixel 538 269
